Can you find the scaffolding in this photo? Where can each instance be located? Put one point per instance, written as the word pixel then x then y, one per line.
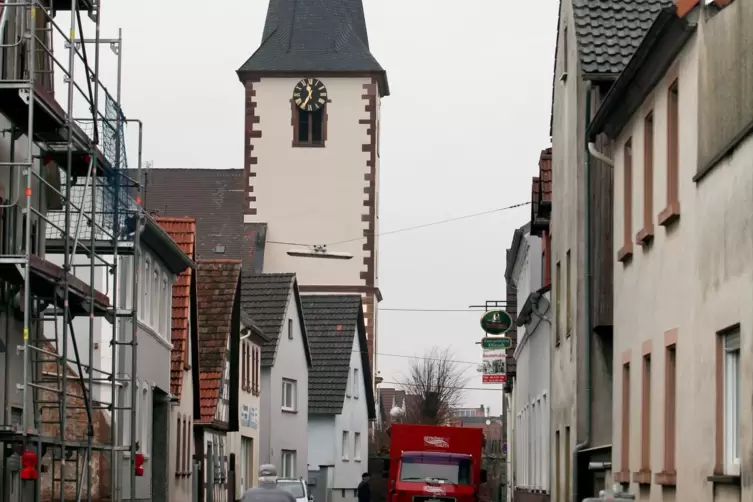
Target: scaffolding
pixel 69 194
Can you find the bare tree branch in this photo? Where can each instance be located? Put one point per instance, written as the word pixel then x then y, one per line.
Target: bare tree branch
pixel 434 385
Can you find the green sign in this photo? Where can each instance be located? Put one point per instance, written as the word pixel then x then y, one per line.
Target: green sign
pixel 496 343
pixel 496 322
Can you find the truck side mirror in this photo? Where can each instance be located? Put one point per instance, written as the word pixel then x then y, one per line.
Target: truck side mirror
pixel 483 475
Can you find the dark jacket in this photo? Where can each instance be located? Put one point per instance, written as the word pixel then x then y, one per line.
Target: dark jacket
pixel 364 492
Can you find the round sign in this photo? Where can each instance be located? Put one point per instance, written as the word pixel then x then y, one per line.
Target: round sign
pixel 496 322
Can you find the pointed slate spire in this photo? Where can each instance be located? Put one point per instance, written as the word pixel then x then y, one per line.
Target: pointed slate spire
pixel 306 37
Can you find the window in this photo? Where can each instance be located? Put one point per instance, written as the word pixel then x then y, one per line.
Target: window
pixel 257 370
pixel 646 415
pixel 564 51
pixel 290 329
pixel 355 383
pixel 126 400
pixel 732 403
pixel 568 296
pixel 648 179
pixel 567 464
pixel 557 460
pixel 627 202
pixel 288 464
pixel 155 311
pixel 309 127
pixel 558 307
pixel 179 438
pixel 349 384
pixel 144 285
pixel 345 445
pixel 247 463
pixel 145 421
pixel 187 450
pixel 244 366
pixel 165 301
pixel 625 438
pixel 670 393
pixel 288 395
pixel 357 447
pixel 672 211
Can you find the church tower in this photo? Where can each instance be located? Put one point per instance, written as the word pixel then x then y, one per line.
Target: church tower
pixel 313 92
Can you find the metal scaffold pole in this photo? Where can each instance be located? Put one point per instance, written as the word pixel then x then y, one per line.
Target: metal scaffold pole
pixel 76 181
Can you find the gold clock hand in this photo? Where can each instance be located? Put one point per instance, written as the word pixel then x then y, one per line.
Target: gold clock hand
pixel 307 100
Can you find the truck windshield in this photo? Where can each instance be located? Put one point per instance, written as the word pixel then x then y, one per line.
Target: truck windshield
pixel 439 469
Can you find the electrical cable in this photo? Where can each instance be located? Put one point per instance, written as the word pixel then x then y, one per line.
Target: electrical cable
pixel 407 229
pixel 454 387
pixel 430 310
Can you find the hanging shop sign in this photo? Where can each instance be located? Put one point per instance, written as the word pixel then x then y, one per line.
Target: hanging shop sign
pixel 494 366
pixel 496 322
pixel 501 342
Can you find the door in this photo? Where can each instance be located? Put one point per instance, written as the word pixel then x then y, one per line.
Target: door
pixel 246 464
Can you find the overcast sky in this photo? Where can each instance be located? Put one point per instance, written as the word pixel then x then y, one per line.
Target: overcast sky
pixel 461 134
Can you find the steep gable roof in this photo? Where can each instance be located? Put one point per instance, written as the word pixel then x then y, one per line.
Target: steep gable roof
pixel 216 285
pixel 264 298
pixel 183 232
pixel 609 31
pixel 333 322
pixel 305 36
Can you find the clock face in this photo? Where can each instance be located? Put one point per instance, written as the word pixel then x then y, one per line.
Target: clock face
pixel 310 94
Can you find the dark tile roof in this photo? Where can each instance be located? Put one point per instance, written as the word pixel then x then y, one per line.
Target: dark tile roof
pixel 216 285
pixel 264 298
pixel 214 197
pixel 183 232
pixel 303 36
pixel 332 322
pixel 609 31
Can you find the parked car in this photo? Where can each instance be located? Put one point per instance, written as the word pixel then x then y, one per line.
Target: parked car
pixel 296 487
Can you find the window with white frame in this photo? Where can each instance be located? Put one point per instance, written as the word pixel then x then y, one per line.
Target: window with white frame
pixel 144 284
pixel 164 300
pixel 145 420
pixel 355 383
pixel 126 399
pixel 357 446
pixel 345 445
pixel 288 394
pixel 732 403
pixel 349 384
pixel 288 464
pixel 155 313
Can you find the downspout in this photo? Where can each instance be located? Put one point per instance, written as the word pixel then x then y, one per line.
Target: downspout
pixel 587 339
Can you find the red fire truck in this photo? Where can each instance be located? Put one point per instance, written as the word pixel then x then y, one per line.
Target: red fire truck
pixel 435 464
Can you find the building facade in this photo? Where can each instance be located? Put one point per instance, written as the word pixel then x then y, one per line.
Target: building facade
pixel 330 139
pixel 274 304
pixel 682 277
pixel 341 398
pixel 530 411
pixel 591 52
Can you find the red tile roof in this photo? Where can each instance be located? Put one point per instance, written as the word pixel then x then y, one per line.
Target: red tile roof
pixel 183 232
pixel 216 285
pixel 541 185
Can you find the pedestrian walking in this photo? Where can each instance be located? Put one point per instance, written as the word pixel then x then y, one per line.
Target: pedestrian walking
pixel 364 490
pixel 267 491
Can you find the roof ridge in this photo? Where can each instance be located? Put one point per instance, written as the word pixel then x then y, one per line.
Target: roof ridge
pixel 176 219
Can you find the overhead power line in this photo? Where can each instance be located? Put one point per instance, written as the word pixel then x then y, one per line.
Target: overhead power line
pixel 422 358
pixel 431 310
pixel 408 229
pixel 495 389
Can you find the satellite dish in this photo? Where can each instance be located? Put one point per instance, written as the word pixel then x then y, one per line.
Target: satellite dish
pixel 396 412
